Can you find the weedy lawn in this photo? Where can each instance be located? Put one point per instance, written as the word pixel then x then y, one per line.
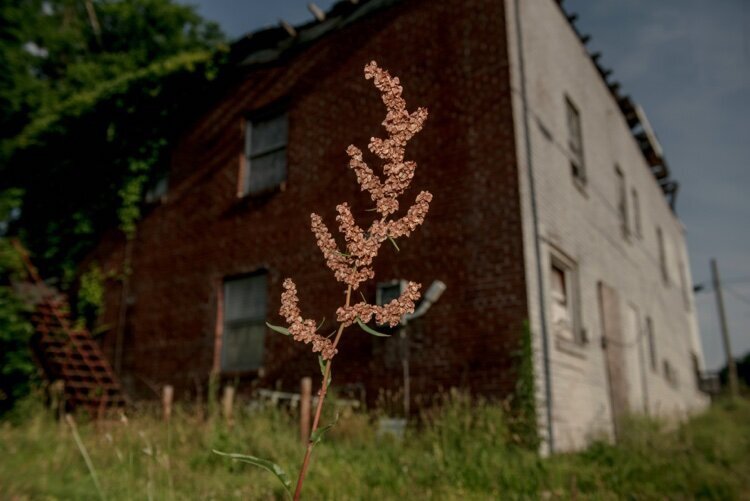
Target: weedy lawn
pixel 463 451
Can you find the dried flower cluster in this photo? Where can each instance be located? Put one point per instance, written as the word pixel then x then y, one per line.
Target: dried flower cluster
pixel 355 265
pixel 302 329
pixel 390 313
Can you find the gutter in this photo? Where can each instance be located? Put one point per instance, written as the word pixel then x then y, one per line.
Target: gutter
pixel 535 219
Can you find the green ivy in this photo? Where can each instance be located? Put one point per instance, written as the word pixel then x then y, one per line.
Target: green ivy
pixel 16 364
pixel 90 302
pixel 524 422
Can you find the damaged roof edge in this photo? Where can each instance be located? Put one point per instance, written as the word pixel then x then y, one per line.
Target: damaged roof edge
pixel 271 45
pixel 635 117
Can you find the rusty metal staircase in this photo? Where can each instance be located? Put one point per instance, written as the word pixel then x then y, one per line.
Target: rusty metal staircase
pixel 67 352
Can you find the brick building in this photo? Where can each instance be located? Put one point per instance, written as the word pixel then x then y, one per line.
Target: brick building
pixel 549 210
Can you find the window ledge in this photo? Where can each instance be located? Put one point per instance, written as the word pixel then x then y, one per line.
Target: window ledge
pixel 264 192
pixel 573 348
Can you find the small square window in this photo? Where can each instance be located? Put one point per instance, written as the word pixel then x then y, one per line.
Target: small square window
pixel 244 323
pixel 388 291
pixel 264 165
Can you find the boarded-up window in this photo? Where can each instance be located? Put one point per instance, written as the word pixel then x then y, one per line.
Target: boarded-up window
pixel 562 314
pixel 265 154
pixel 244 323
pixel 575 141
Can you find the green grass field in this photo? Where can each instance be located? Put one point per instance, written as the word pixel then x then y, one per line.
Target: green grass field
pixel 464 451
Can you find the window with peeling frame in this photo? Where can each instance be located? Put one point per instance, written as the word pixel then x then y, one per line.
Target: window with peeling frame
pixel 575 141
pixel 563 300
pixel 265 164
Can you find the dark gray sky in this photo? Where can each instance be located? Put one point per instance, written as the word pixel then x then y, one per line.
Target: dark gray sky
pixel 687 62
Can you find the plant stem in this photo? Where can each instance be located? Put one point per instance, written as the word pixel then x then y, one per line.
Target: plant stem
pixel 319 408
pixel 86 458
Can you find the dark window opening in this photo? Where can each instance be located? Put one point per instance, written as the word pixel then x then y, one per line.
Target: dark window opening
pixel 244 323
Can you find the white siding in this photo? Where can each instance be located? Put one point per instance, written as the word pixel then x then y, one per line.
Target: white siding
pixel 582 221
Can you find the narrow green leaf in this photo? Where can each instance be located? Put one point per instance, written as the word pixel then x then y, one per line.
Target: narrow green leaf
pixel 343 254
pixel 322 364
pixel 394 244
pixel 270 466
pixel 370 330
pixel 317 435
pixel 281 330
pixel 371 210
pixel 321 324
pixel 363 296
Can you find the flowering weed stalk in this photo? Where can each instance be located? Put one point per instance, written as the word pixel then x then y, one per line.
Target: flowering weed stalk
pixel 355 265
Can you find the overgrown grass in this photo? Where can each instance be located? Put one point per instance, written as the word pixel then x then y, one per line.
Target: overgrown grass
pixel 462 451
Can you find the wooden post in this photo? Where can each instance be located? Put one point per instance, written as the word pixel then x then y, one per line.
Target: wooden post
pixel 167 394
pixel 405 368
pixel 305 407
pixel 731 366
pixel 57 397
pixel 227 403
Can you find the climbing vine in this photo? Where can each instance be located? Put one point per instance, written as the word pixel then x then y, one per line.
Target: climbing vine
pixel 90 301
pixel 523 423
pixel 16 365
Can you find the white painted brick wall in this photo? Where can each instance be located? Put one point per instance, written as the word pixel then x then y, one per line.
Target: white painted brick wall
pixel 584 224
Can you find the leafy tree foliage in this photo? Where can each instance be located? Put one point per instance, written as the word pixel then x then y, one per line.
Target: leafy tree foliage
pixel 53 49
pixel 91 95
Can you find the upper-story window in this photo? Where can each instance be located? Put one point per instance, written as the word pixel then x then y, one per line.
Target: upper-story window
pixel 264 165
pixel 637 225
pixel 662 255
pixel 575 141
pixel 622 201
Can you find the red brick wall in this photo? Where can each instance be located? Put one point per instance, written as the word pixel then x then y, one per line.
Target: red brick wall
pixel 451 56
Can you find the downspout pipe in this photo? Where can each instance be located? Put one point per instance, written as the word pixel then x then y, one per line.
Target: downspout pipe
pixel 535 220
